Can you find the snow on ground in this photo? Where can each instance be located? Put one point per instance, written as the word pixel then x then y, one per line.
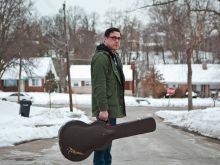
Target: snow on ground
pixel 205 122
pixel 85 99
pixel 45 122
pixel 177 102
pixel 42 123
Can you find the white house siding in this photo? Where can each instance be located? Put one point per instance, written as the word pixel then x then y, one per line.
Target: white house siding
pixel 204 81
pixel 81 77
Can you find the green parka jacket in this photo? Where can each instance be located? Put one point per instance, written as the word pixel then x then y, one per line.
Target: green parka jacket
pixel 107 84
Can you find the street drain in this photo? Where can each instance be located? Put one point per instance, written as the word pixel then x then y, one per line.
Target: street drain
pixel 20 159
pixel 23 159
pixel 44 125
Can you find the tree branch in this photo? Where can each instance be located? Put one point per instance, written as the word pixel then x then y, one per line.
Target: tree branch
pixel 206 10
pixel 153 5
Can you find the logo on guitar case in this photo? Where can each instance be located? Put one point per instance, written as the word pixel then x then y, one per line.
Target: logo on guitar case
pixel 70 150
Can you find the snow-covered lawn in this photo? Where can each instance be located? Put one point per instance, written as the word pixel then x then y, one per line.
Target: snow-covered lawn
pixel 63 98
pixel 45 122
pixel 42 123
pixel 205 122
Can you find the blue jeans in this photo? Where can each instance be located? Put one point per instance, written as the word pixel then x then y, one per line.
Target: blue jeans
pixel 104 157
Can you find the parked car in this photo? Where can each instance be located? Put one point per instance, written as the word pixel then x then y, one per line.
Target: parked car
pixel 14 97
pixel 194 94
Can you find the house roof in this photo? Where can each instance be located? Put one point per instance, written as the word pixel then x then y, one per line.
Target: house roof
pixel 39 67
pixel 177 73
pixel 80 72
pixel 83 73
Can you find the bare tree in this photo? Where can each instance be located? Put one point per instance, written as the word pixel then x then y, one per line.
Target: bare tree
pixel 185 29
pixel 27 43
pixel 194 31
pixel 172 20
pixel 130 45
pixel 114 18
pixel 11 15
pixel 54 31
pixel 209 6
pixel 85 35
pixel 154 3
pixel 81 33
pixel 20 36
pixel 212 26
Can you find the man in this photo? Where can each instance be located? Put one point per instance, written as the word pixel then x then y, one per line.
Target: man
pixel 107 87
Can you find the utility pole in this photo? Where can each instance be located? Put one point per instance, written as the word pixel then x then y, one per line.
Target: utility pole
pixel 67 59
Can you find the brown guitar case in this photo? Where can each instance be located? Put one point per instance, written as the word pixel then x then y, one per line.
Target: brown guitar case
pixel 77 140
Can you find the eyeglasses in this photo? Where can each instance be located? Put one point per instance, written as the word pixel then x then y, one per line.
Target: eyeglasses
pixel 114 38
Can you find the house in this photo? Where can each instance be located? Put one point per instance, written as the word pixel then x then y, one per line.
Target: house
pixel 205 77
pixel 81 78
pixel 32 76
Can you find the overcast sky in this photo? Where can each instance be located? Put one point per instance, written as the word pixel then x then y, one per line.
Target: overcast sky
pixel 50 7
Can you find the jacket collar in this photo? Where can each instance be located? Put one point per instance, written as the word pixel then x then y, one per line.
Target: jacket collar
pixel 103 47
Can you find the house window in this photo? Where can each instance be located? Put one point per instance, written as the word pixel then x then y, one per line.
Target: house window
pixel 87 83
pixel 214 86
pixel 35 82
pixel 10 83
pixel 75 83
pixel 199 88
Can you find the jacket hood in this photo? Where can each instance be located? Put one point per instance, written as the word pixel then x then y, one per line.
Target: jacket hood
pixel 103 47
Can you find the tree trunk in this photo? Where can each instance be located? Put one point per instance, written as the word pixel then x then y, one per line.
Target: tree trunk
pixel 19 80
pixel 164 61
pixel 154 83
pixel 50 99
pixel 189 78
pixel 197 56
pixel 148 62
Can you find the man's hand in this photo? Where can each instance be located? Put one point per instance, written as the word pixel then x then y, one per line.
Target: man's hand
pixel 103 115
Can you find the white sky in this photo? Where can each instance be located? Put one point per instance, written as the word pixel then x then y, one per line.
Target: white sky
pixel 50 7
pixel 45 123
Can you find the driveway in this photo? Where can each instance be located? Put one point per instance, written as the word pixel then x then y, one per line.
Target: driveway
pixel 165 146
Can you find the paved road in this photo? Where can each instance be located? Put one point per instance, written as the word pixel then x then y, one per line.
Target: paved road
pixel 166 146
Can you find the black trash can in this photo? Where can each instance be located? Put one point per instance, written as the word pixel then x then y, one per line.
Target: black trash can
pixel 25 108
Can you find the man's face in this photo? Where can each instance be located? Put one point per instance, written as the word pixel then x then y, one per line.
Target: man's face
pixel 113 40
